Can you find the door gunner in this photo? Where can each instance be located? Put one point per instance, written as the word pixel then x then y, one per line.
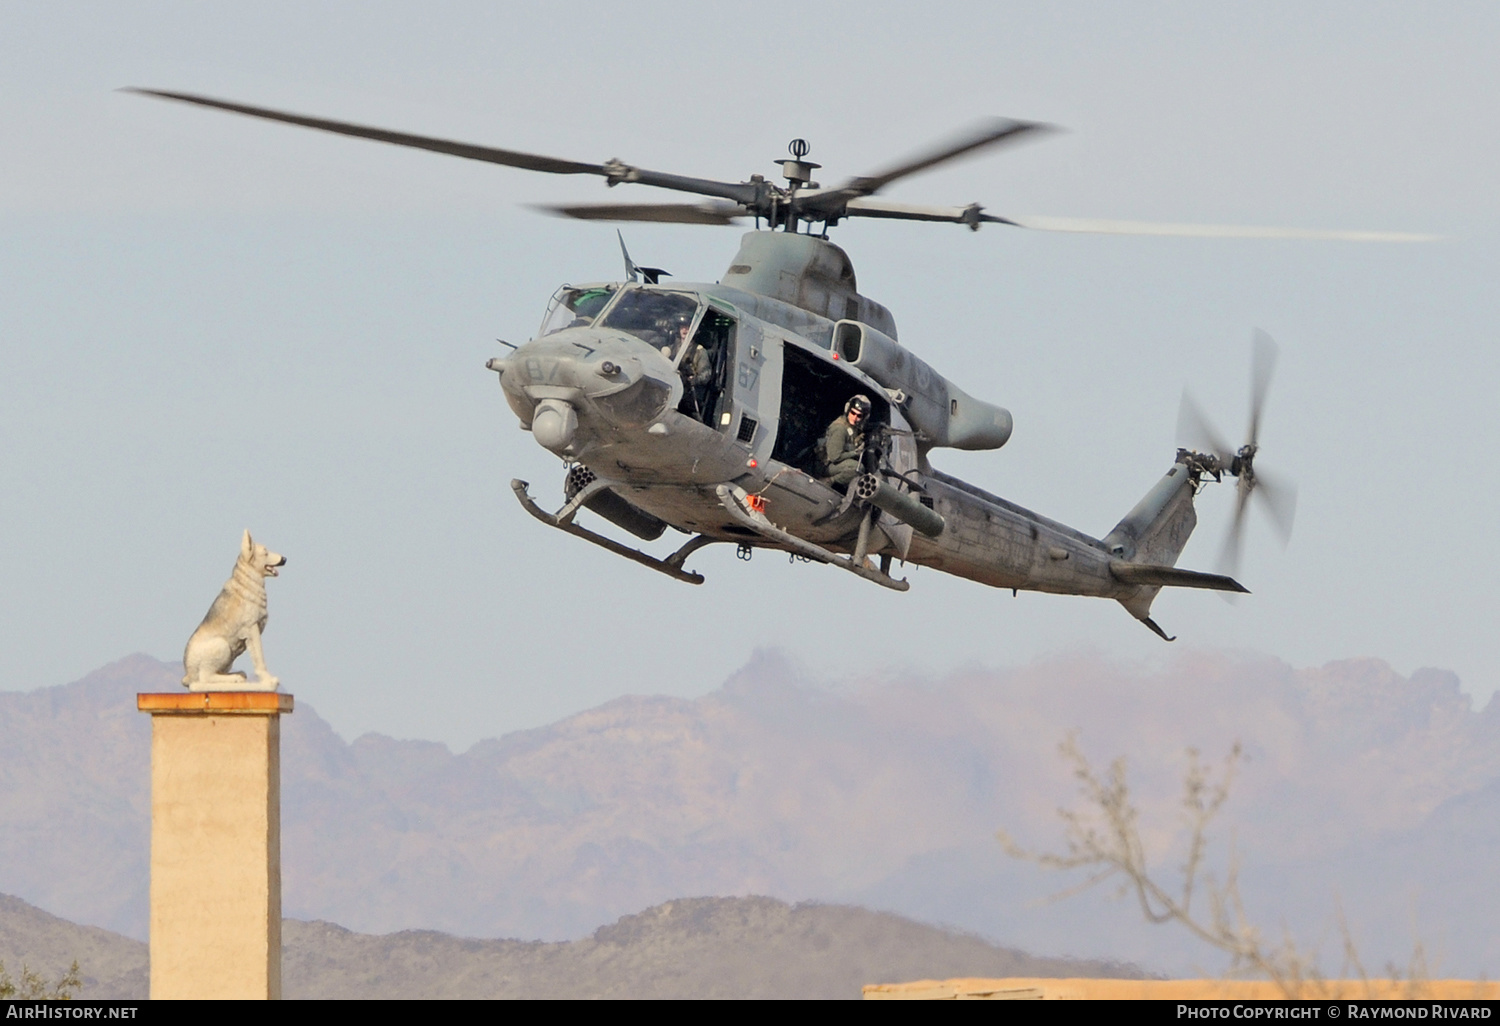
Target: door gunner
pixel 844 442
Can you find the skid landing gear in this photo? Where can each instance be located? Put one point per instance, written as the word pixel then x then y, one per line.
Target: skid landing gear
pixel 563 521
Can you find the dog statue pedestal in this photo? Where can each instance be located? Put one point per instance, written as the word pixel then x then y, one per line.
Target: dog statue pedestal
pixel 215 843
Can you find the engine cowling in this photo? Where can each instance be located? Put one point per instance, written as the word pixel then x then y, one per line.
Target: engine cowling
pixel 945 415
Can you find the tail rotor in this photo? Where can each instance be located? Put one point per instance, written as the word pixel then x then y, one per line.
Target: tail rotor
pixel 1278 497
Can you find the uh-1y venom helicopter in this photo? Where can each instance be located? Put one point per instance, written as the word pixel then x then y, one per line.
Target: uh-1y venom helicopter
pixel 702 407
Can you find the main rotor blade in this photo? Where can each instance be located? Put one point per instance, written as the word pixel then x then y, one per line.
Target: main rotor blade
pixel 1195 431
pixel 671 213
pixel 986 133
pixel 615 171
pixel 1207 231
pixel 510 158
pixel 1262 364
pixel 868 206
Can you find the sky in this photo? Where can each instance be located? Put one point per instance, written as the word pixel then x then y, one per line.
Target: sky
pixel 209 323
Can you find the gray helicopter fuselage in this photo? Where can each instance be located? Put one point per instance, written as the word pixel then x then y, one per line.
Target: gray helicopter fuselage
pixel 614 391
pixel 702 407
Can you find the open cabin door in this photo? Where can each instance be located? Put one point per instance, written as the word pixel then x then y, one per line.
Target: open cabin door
pixel 813 395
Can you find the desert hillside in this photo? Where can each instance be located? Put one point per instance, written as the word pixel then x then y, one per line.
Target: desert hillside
pixel 1360 787
pixel 689 948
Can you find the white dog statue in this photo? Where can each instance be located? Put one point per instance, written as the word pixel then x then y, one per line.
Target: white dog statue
pixel 234 623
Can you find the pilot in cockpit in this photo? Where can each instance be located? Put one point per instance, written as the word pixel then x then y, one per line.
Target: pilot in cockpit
pixel 682 324
pixel 696 366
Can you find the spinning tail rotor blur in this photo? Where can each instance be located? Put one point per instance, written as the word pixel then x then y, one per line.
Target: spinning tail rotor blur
pixel 1278 497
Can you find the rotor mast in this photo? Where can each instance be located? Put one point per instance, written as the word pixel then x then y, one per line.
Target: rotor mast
pixel 798 175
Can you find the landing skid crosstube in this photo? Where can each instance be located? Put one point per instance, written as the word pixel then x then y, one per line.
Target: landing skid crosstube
pixel 563 521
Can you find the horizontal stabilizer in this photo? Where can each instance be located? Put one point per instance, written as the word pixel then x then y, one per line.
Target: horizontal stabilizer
pixel 1172 577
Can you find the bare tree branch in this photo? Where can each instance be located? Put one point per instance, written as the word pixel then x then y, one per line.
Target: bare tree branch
pixel 1104 836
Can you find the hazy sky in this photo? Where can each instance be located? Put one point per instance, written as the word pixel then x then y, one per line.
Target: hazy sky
pixel 209 323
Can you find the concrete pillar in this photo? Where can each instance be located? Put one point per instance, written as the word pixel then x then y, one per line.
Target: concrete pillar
pixel 215 843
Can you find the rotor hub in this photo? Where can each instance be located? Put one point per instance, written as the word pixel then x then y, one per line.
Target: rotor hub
pixel 1243 464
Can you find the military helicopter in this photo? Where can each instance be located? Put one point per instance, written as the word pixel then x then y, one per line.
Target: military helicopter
pixel 703 407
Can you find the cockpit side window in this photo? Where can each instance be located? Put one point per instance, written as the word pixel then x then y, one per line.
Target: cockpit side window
pixel 660 319
pixel 575 307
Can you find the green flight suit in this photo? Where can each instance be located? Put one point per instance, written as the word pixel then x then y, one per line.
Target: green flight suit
pixel 844 450
pixel 698 379
pixel 700 367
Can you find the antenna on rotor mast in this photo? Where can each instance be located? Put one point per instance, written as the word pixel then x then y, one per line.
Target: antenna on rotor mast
pixel 798 174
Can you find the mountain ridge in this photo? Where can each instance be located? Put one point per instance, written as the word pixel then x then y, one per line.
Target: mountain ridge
pixel 885 793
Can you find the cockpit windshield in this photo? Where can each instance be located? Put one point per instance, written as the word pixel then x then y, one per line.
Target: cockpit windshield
pixel 575 307
pixel 660 319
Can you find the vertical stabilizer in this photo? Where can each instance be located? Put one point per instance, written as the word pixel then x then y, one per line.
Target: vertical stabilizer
pixel 1154 533
pixel 1158 528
